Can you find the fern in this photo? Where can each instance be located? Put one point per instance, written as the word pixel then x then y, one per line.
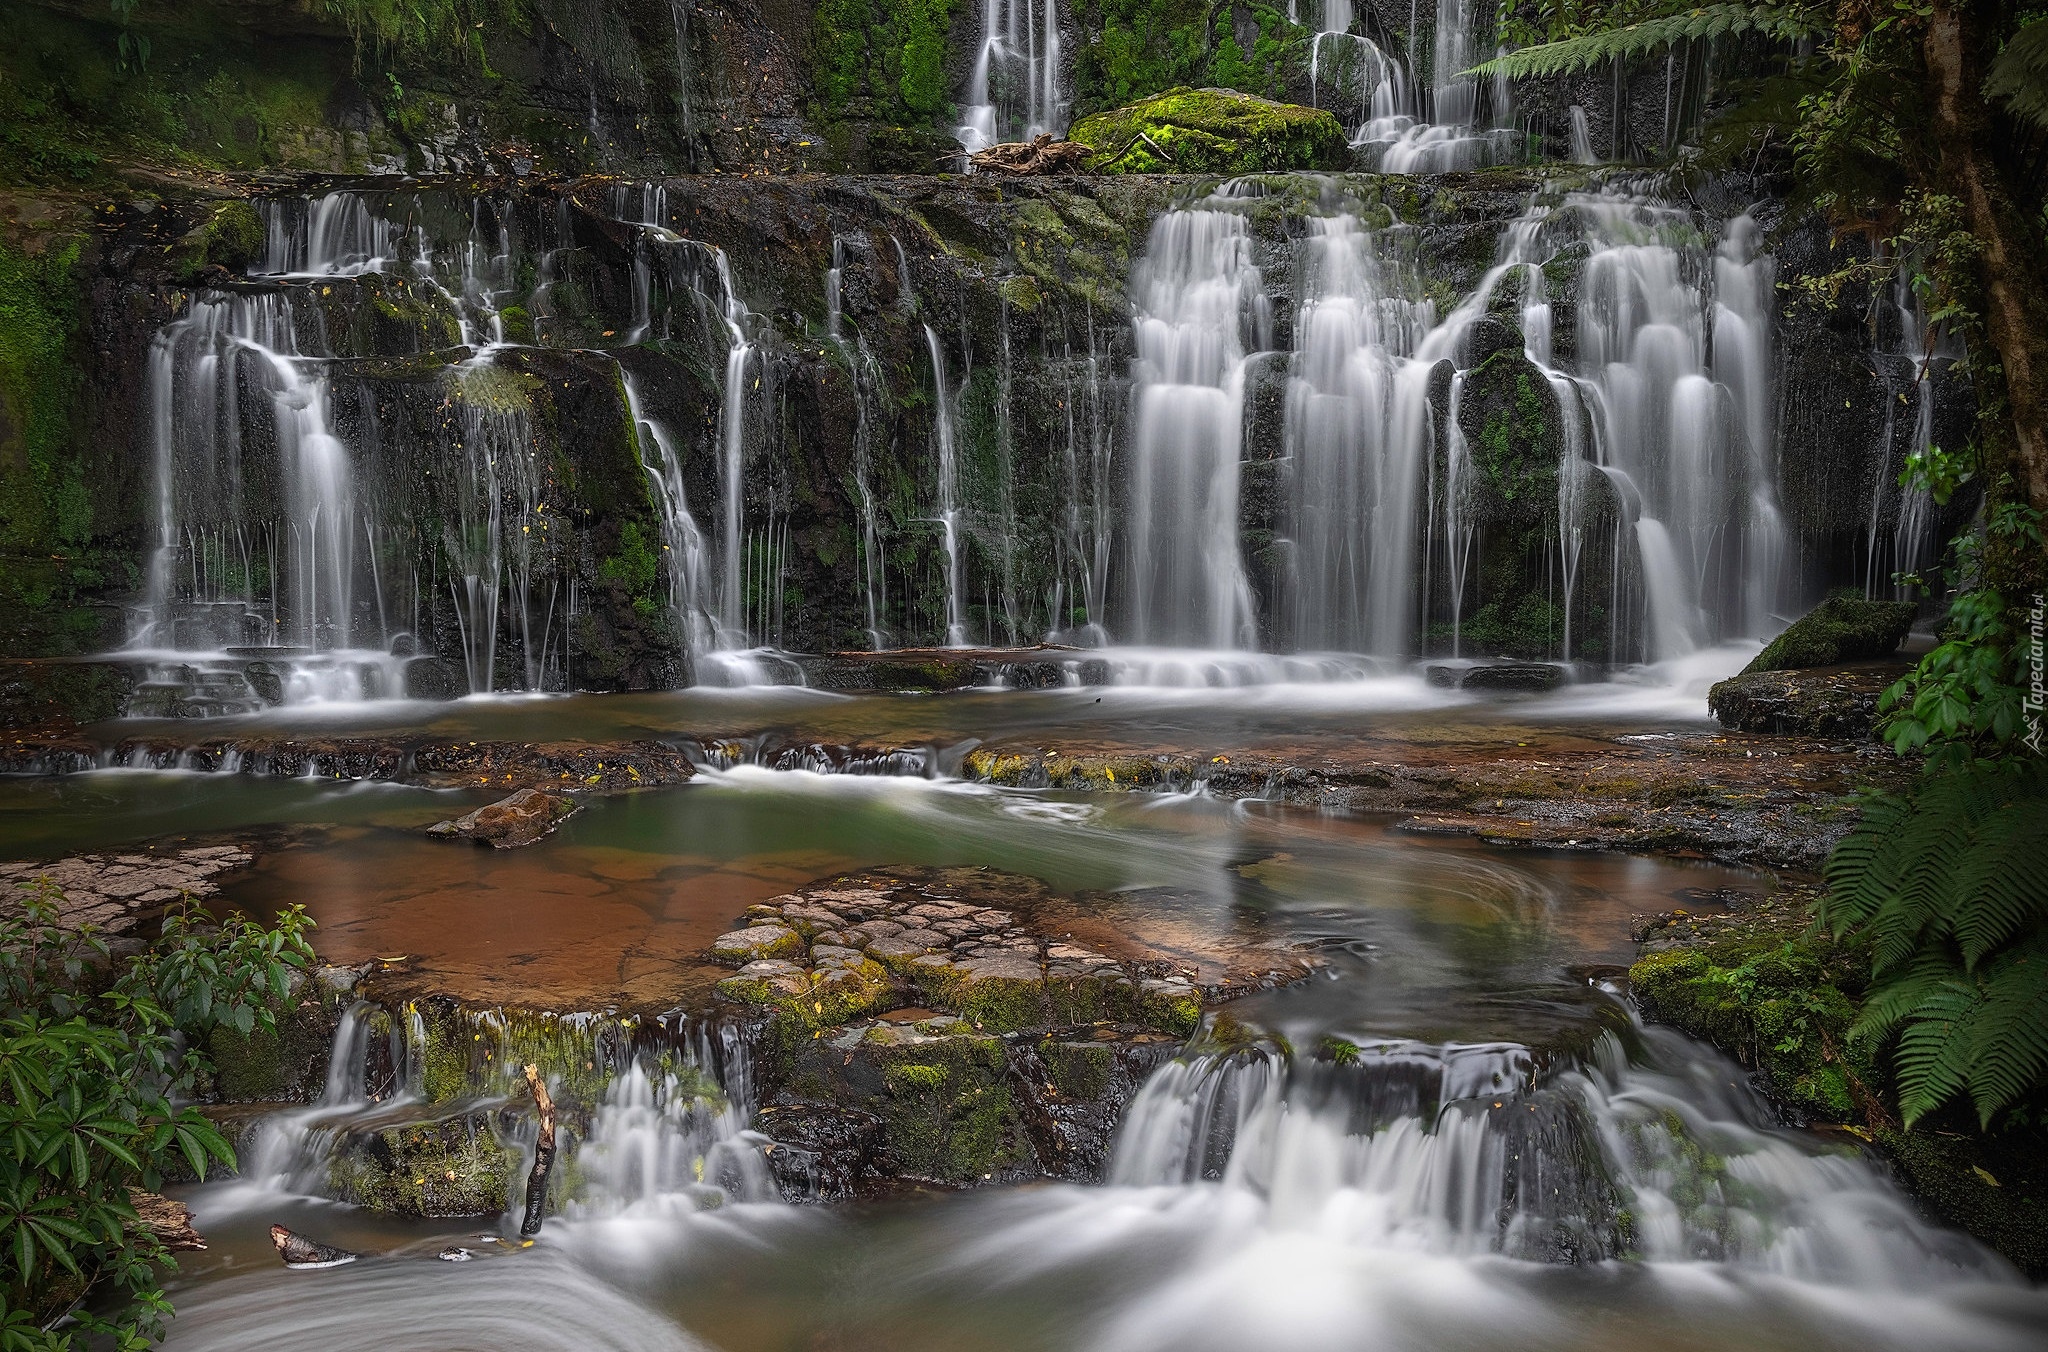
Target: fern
pixel 1950 886
pixel 1586 50
pixel 2019 75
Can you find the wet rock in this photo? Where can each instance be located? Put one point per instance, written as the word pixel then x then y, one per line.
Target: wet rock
pixel 755 942
pixel 1822 702
pixel 865 943
pixel 1840 629
pixel 1531 676
pixel 1212 131
pixel 298 1251
pixel 117 893
pixel 507 824
pixel 451 1166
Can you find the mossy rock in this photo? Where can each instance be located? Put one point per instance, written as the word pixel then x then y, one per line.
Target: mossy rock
pixel 456 1166
pixel 286 1065
pixel 1839 629
pixel 1212 131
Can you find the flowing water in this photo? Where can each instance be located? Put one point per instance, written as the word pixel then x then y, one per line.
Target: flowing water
pixel 1495 1145
pixel 1014 90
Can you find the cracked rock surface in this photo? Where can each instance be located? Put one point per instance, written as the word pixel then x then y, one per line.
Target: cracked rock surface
pixel 117 892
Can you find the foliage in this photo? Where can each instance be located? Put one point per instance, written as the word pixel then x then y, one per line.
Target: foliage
pixel 1212 131
pixel 93 1067
pixel 886 58
pixel 1949 884
pixel 2019 77
pixel 1602 40
pixel 1966 697
pixel 424 28
pixel 1139 48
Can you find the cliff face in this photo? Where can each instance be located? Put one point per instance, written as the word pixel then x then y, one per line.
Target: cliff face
pixel 633 382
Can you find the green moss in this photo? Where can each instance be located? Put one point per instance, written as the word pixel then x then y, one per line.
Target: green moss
pixel 884 59
pixel 946 1109
pixel 1995 1188
pixel 453 1167
pixel 635 567
pixel 1775 1003
pixel 1839 629
pixel 1080 1071
pixel 1212 131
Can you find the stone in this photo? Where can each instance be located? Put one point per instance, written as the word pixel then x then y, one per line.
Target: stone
pixel 1839 629
pixel 1831 702
pixel 1533 676
pixel 509 823
pixel 757 941
pixel 1212 131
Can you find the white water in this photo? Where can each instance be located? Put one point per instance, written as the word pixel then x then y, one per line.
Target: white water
pixel 1202 311
pixel 1416 123
pixel 945 439
pixel 1013 91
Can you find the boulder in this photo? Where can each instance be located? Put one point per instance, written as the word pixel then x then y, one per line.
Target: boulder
pixel 1212 131
pixel 1817 702
pixel 1839 629
pixel 507 824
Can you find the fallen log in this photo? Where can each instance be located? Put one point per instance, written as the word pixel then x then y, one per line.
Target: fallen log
pixel 301 1252
pixel 543 1156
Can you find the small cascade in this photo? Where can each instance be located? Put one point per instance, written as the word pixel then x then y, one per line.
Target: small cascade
pixel 1582 137
pixel 655 1116
pixel 1013 92
pixel 1359 438
pixel 946 436
pixel 1202 310
pixel 1901 537
pixel 868 381
pixel 688 565
pixel 1693 444
pixel 1470 1151
pixel 1452 120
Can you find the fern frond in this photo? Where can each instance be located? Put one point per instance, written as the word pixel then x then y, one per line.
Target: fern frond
pixel 2009 1030
pixel 1933 1057
pixel 2019 75
pixel 2002 887
pixel 1885 1007
pixel 1784 22
pixel 1859 873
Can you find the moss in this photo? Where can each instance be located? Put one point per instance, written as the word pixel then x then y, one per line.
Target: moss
pixel 1080 1071
pixel 1775 1003
pixel 1212 131
pixel 884 59
pixel 1137 48
pixel 453 1167
pixel 285 1065
pixel 518 324
pixel 1839 629
pixel 1994 1188
pixel 946 1109
pixel 1021 293
pixel 233 236
pixel 635 568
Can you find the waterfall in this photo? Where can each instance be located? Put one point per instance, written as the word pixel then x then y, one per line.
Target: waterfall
pixel 667 1110
pixel 1358 435
pixel 1449 122
pixel 688 562
pixel 945 434
pixel 1202 309
pixel 1582 137
pixel 1013 91
pixel 1471 1150
pixel 1697 450
pixel 1909 546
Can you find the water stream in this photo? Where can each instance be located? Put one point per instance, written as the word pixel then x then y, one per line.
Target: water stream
pixel 1496 1144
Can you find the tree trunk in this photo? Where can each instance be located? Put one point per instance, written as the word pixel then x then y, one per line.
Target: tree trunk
pixel 543 1155
pixel 1957 47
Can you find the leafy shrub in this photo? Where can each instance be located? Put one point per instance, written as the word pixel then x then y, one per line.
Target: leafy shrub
pixel 97 1063
pixel 1949 883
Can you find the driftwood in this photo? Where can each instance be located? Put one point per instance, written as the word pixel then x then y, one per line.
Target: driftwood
pixel 543 1155
pixel 170 1222
pixel 1042 155
pixel 301 1252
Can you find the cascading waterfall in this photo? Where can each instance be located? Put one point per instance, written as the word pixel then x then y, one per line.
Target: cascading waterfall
pixel 1202 309
pixel 946 438
pixel 1467 1151
pixel 1358 436
pixel 1447 122
pixel 1909 545
pixel 667 1132
pixel 1693 445
pixel 1013 92
pixel 688 563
